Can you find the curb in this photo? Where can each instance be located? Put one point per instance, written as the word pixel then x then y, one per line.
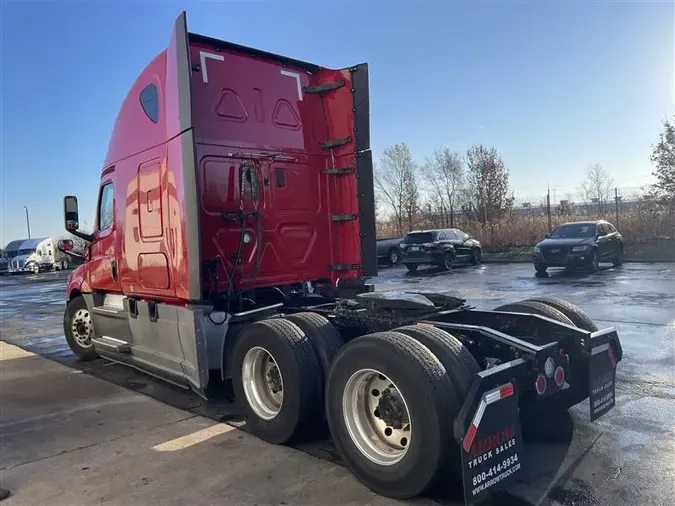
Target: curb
pixel 625 260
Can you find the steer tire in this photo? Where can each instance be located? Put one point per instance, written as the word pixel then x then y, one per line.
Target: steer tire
pixel 300 372
pixel 575 314
pixel 86 353
pixel 457 360
pixel 538 308
pixel 428 394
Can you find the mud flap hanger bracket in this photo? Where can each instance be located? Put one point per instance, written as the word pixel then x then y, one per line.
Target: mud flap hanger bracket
pixel 485 381
pixel 601 337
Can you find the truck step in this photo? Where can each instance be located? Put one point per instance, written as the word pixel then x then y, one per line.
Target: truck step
pixel 335 143
pixel 322 88
pixel 111 344
pixel 339 171
pixel 109 311
pixel 343 217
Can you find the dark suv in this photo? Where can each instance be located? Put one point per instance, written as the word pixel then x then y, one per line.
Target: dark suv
pixel 583 244
pixel 442 247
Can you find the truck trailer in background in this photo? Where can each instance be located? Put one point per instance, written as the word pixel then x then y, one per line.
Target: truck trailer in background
pixel 35 255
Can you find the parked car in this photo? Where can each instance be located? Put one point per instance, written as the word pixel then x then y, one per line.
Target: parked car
pixel 4 265
pixel 442 247
pixel 389 250
pixel 583 244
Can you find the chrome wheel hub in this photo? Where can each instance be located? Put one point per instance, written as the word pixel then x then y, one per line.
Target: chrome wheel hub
pixel 377 417
pixel 82 328
pixel 263 383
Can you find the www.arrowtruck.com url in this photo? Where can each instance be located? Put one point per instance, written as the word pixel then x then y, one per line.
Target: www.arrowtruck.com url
pixel 496 479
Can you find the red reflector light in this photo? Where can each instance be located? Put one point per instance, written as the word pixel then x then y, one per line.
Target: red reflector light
pixel 540 384
pixel 506 391
pixel 610 352
pixel 559 376
pixel 562 352
pixel 470 435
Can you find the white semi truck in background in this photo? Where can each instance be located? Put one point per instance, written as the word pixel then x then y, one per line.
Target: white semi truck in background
pixel 35 255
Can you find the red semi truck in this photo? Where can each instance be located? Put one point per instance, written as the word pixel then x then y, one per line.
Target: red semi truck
pixel 235 232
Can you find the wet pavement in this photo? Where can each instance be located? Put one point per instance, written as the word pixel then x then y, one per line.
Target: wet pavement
pixel 627 457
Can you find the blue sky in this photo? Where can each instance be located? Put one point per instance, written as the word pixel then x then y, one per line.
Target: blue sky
pixel 554 86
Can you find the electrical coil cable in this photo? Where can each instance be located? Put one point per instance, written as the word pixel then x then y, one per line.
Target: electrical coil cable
pixel 247 180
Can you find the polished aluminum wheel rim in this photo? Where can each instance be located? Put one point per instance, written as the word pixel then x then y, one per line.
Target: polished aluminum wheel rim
pixel 82 327
pixel 377 417
pixel 263 383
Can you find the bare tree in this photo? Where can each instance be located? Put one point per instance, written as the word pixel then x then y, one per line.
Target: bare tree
pixel 487 185
pixel 444 174
pixel 596 188
pixel 396 182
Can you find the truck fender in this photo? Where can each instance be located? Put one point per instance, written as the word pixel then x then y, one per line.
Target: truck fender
pixel 77 283
pixel 236 324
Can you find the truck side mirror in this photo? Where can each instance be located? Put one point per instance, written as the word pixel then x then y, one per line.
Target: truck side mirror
pixel 546 236
pixel 71 214
pixel 65 245
pixel 72 218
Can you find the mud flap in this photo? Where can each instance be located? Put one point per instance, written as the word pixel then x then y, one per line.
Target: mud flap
pixel 601 380
pixel 488 430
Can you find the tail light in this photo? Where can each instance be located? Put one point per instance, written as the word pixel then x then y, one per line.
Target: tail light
pixel 540 384
pixel 559 376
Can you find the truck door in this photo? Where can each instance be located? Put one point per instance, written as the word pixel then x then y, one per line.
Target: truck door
pixel 103 267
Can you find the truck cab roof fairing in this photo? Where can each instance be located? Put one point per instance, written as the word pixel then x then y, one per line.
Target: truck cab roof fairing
pixel 133 132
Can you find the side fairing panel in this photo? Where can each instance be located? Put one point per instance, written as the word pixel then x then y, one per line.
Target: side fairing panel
pixel 181 166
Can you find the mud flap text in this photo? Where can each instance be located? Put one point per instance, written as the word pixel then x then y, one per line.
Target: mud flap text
pixel 601 381
pixel 492 447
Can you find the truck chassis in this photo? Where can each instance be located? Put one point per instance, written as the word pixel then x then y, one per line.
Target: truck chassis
pixel 377 366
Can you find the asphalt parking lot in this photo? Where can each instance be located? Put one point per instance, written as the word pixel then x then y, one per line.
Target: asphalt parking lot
pixel 626 457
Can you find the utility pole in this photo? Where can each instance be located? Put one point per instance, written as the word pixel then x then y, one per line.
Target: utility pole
pixel 548 208
pixel 27 221
pixel 616 202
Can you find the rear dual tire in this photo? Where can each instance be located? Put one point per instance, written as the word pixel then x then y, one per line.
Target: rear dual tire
pixel 564 312
pixel 390 398
pixel 277 380
pixel 421 398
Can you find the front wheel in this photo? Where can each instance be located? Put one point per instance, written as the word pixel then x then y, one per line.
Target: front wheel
pixel 540 268
pixel 389 407
pixel 79 329
pixel 618 259
pixel 593 262
pixel 411 267
pixel 476 257
pixel 394 257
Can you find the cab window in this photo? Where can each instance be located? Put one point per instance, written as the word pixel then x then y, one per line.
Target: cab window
pixel 105 207
pixel 150 102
